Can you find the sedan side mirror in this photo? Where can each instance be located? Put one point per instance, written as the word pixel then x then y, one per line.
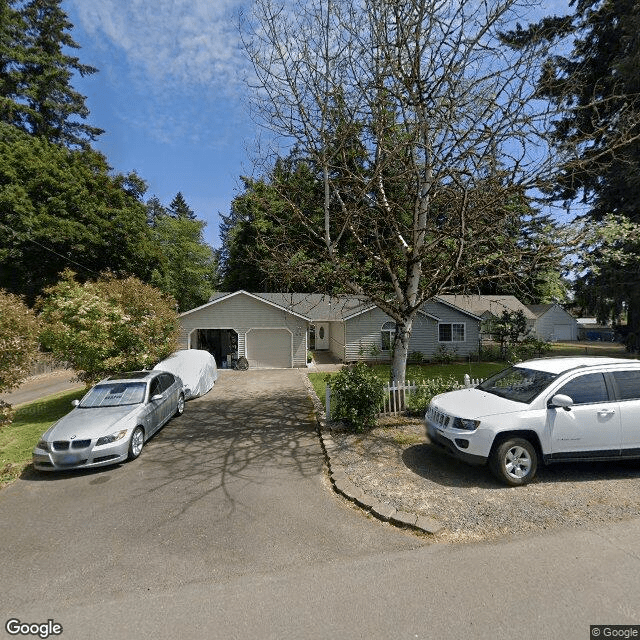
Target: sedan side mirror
pixel 75 403
pixel 561 401
pixel 157 397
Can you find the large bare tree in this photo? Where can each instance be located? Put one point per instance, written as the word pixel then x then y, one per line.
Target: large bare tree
pixel 425 133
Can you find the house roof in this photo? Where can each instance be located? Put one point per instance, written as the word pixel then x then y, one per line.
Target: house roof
pixel 316 307
pixel 539 309
pixel 480 305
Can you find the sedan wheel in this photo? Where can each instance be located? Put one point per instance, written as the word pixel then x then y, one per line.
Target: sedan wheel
pixel 136 443
pixel 514 461
pixel 180 407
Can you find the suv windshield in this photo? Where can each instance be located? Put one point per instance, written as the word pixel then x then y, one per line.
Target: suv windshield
pixel 518 384
pixel 114 394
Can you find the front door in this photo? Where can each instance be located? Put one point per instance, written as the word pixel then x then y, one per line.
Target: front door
pixel 322 336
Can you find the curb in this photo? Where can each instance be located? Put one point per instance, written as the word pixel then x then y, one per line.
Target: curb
pixel 343 485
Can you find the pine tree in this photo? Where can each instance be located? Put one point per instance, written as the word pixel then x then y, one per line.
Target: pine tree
pixel 35 73
pixel 180 209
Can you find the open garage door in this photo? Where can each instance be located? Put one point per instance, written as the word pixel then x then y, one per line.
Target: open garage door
pixel 269 349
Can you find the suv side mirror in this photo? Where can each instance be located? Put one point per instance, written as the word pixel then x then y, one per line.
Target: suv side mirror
pixel 561 401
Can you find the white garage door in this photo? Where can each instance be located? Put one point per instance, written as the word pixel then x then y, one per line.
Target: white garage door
pixel 562 331
pixel 269 349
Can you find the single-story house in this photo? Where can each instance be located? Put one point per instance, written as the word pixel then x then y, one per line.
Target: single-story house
pixel 548 322
pixel 553 323
pixel 275 330
pixel 491 307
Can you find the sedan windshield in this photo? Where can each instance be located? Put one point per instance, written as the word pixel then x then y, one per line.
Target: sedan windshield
pixel 114 395
pixel 518 384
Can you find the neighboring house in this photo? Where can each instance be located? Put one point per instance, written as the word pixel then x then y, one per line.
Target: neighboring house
pixel 490 308
pixel 275 330
pixel 553 323
pixel 548 322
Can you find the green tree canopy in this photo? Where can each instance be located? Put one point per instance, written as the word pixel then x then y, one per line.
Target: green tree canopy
pixel 63 208
pixel 36 71
pixel 189 270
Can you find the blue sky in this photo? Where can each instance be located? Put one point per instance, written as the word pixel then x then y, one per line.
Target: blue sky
pixel 170 96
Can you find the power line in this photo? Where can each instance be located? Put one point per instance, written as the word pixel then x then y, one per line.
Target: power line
pixel 50 250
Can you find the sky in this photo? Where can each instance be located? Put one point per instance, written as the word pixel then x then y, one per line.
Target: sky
pixel 170 95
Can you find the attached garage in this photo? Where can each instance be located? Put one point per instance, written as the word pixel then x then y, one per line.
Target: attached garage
pixel 232 325
pixel 269 348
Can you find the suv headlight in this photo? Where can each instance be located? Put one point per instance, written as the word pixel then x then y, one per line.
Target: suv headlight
pixel 111 438
pixel 467 425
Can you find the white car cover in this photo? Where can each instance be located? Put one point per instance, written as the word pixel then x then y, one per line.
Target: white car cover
pixel 196 368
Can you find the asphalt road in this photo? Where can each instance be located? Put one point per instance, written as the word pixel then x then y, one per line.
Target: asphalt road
pixel 225 527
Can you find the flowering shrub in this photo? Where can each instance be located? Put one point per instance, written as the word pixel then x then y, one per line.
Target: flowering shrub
pixel 358 394
pixel 418 401
pixel 108 326
pixel 18 345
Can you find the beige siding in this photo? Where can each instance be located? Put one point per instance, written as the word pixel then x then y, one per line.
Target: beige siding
pixel 241 313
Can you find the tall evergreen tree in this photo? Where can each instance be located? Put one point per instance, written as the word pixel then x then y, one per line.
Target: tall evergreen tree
pixel 597 87
pixel 180 209
pixel 189 270
pixel 36 72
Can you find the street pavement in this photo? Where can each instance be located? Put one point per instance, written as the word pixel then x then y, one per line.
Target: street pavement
pixel 43 385
pixel 226 527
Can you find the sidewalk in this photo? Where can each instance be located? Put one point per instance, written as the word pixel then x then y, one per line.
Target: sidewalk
pixel 41 386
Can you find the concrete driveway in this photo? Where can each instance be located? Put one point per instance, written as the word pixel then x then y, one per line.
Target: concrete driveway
pixel 235 486
pixel 225 528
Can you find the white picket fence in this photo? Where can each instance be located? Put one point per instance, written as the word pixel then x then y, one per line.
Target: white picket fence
pixel 396 393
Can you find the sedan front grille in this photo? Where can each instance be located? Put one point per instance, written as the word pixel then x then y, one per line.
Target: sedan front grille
pixel 80 444
pixel 61 445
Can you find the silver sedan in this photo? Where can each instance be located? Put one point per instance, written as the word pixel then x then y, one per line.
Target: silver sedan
pixel 112 422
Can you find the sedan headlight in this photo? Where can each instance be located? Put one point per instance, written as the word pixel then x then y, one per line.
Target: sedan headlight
pixel 111 438
pixel 467 425
pixel 43 445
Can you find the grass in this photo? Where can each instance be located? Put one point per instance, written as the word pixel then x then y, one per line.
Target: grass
pixel 420 373
pixel 30 421
pixel 482 370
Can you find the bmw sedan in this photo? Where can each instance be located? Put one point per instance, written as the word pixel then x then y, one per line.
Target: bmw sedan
pixel 112 422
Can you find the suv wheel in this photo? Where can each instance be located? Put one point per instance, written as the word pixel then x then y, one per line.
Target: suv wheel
pixel 514 461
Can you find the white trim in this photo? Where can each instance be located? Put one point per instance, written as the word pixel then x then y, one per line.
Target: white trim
pixel 247 355
pixel 464 325
pixel 251 295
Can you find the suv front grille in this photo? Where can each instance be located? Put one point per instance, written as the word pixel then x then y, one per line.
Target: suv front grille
pixel 438 418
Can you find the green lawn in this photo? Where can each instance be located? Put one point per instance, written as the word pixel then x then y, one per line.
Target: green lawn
pixel 418 373
pixel 30 421
pixel 482 370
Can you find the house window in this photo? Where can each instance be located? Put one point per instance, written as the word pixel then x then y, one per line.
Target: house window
pixel 387 334
pixel 451 332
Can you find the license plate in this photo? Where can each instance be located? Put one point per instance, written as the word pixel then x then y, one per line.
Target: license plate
pixel 70 458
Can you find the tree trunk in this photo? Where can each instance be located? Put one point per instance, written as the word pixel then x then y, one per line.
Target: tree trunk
pixel 401 349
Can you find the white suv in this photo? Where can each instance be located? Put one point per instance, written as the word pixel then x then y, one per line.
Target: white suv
pixel 547 410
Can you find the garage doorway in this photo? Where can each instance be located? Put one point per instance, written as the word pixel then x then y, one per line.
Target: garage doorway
pixel 220 343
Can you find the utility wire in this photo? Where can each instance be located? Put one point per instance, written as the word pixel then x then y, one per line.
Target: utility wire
pixel 50 250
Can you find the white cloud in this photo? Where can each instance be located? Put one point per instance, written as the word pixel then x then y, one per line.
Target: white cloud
pixel 180 42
